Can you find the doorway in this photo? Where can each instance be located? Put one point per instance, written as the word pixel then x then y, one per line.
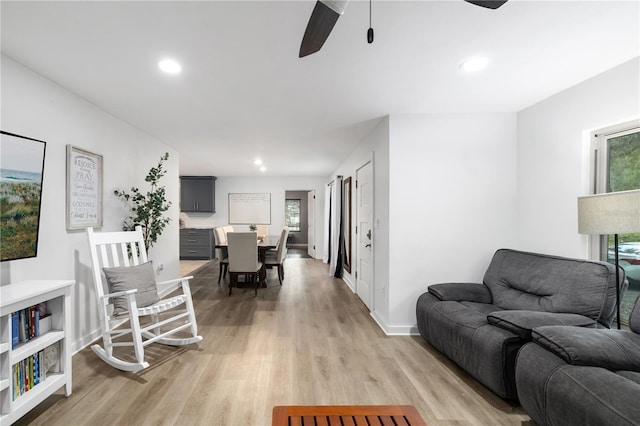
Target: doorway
pixel 299 215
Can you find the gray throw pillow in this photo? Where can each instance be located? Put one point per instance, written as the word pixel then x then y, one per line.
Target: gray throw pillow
pixel 141 278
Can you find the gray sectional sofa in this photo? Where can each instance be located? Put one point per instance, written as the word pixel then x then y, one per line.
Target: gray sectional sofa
pixel 481 326
pixel 571 376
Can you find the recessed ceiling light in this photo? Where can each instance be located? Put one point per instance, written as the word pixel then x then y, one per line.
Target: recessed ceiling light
pixel 263 169
pixel 169 66
pixel 257 162
pixel 474 64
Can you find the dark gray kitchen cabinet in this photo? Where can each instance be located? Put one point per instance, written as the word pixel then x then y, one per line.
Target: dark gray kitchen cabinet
pixel 196 243
pixel 198 194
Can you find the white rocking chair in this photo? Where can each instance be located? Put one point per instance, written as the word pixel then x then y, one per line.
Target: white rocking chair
pixel 126 248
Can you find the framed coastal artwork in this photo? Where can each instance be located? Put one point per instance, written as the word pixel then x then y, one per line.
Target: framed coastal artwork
pixel 21 174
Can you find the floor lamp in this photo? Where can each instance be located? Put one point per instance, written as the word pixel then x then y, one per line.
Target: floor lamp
pixel 610 213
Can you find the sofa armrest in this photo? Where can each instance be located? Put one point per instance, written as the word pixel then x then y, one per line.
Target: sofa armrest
pixel 522 322
pixel 610 349
pixel 471 292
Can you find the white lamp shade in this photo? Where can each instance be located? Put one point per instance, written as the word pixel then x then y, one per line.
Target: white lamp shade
pixel 609 213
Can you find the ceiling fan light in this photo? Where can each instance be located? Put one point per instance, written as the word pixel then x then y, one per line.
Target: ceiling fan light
pixel 474 64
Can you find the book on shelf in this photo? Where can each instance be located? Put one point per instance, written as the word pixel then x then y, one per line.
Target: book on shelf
pixel 24 376
pixel 15 329
pixel 29 323
pixel 22 332
pixel 33 370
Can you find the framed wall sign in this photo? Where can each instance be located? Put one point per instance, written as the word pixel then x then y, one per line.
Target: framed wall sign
pixel 84 188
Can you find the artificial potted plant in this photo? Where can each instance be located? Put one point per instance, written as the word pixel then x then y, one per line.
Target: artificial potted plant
pixel 147 209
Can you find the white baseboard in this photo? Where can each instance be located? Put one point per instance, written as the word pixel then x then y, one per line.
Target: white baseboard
pixel 348 280
pixel 85 341
pixel 395 330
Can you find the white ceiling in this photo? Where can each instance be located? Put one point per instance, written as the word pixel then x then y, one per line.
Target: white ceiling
pixel 244 93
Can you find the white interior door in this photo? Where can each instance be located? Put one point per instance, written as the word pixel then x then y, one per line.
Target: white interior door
pixel 311 223
pixel 364 233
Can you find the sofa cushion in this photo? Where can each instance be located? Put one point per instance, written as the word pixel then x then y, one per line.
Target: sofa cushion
pixel 554 393
pixel 522 322
pixel 461 291
pixel 634 318
pixel 577 395
pixel 538 282
pixel 483 308
pixel 634 376
pixel 461 332
pixel 611 349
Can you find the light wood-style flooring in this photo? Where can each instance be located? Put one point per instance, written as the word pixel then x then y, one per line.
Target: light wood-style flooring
pixel 309 342
pixel 188 267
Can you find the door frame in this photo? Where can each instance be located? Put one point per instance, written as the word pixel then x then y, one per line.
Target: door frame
pixel 372 284
pixel 311 202
pixel 311 223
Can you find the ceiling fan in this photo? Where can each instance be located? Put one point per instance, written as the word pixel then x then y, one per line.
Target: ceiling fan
pixel 326 13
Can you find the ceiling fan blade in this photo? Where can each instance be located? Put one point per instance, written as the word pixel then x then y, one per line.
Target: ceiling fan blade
pixel 323 18
pixel 489 4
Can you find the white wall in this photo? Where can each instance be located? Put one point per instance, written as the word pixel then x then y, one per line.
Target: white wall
pixel 455 188
pixel 277 187
pixel 445 201
pixel 374 147
pixel 553 162
pixel 38 108
pixel 452 202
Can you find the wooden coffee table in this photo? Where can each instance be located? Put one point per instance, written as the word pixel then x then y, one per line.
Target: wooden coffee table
pixel 329 415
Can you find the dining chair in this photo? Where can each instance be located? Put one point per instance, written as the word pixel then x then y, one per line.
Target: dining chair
pixel 222 252
pixel 272 251
pixel 243 258
pixel 281 254
pixel 262 231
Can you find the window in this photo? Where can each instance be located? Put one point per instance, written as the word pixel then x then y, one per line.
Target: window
pixel 617 168
pixel 292 214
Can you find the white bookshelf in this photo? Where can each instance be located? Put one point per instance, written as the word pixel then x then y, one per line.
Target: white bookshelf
pixel 21 295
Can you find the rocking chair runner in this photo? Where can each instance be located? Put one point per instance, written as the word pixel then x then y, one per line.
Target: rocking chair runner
pixel 171 312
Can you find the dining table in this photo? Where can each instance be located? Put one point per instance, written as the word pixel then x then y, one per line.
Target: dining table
pixel 265 243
